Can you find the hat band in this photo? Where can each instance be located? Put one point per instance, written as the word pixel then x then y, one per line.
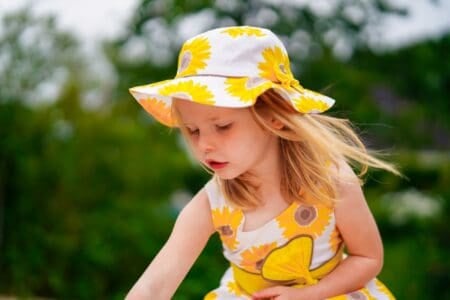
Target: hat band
pixel 285 80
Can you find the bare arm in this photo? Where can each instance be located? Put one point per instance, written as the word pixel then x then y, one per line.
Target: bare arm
pixel 363 242
pixel 188 238
pixel 361 237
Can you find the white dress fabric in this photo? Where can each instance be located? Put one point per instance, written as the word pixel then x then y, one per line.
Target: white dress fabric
pixel 296 248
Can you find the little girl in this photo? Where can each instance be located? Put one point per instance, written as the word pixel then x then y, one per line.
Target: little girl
pixel 282 197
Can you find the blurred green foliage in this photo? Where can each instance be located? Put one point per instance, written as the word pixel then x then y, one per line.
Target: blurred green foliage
pixel 87 195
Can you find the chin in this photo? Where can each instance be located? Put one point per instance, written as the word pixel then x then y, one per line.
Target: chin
pixel 226 175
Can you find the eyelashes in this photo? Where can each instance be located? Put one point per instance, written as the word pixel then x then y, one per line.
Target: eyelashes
pixel 219 128
pixel 224 127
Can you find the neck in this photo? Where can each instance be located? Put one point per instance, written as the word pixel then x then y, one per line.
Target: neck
pixel 267 176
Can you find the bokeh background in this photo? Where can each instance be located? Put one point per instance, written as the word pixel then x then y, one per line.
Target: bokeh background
pixel 90 185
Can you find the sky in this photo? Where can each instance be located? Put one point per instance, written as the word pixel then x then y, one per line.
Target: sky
pixel 93 20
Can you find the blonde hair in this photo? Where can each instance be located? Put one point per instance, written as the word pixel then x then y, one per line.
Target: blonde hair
pixel 310 146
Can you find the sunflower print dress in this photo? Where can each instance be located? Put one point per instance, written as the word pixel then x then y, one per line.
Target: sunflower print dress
pixel 297 248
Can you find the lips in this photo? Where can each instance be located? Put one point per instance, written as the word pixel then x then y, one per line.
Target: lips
pixel 216 165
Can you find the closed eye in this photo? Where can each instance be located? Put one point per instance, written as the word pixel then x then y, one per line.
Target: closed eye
pixel 192 131
pixel 224 127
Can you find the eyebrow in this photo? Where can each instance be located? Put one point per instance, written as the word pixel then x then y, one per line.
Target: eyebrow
pixel 213 118
pixel 208 119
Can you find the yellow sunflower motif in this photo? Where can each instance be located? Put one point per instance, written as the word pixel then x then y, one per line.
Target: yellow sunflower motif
pixel 189 89
pixel 382 288
pixel 335 240
pixel 246 89
pixel 304 219
pixel 193 56
pixel 290 263
pixel 234 289
pixel 226 221
pixel 310 102
pixel 253 258
pixel 238 31
pixel 362 294
pixel 276 68
pixel 159 109
pixel 211 296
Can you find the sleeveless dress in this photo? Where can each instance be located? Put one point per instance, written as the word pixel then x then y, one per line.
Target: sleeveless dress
pixel 297 248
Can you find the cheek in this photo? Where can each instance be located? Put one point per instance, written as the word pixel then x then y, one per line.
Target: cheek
pixel 191 145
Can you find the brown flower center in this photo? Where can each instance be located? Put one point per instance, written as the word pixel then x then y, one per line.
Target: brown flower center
pixel 185 60
pixel 358 296
pixel 225 230
pixel 305 215
pixel 259 264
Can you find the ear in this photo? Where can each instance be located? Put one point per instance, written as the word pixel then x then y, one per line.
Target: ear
pixel 276 124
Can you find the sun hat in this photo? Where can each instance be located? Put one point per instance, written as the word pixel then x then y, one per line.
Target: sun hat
pixel 229 67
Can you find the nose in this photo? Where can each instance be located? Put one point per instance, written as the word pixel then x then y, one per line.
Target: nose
pixel 206 143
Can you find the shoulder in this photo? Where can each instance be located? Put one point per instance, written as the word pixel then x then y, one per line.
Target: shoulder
pixel 345 180
pixel 353 216
pixel 351 207
pixel 196 213
pixel 343 174
pixel 199 201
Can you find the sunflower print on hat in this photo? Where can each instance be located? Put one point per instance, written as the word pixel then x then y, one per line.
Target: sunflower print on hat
pixel 310 102
pixel 246 89
pixel 159 109
pixel 193 56
pixel 305 220
pixel 189 90
pixel 238 31
pixel 276 68
pixel 226 221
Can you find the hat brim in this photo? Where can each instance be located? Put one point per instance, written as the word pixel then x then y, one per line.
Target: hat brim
pixel 233 92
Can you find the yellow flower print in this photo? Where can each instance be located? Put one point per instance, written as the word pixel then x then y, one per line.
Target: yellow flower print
pixel 382 288
pixel 234 288
pixel 276 67
pixel 189 89
pixel 246 89
pixel 340 297
pixel 290 263
pixel 159 109
pixel 193 56
pixel 335 240
pixel 211 296
pixel 238 31
pixel 226 222
pixel 362 294
pixel 304 219
pixel 310 102
pixel 253 258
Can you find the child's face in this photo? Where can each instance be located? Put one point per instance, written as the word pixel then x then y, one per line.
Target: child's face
pixel 228 140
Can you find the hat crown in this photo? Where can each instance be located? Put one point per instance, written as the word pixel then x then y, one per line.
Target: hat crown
pixel 240 51
pixel 229 67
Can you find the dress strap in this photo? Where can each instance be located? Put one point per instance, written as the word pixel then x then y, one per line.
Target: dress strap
pixel 215 197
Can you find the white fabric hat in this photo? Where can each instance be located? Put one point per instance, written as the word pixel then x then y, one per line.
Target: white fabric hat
pixel 229 67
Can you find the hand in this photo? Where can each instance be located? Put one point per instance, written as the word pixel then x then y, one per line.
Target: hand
pixel 284 293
